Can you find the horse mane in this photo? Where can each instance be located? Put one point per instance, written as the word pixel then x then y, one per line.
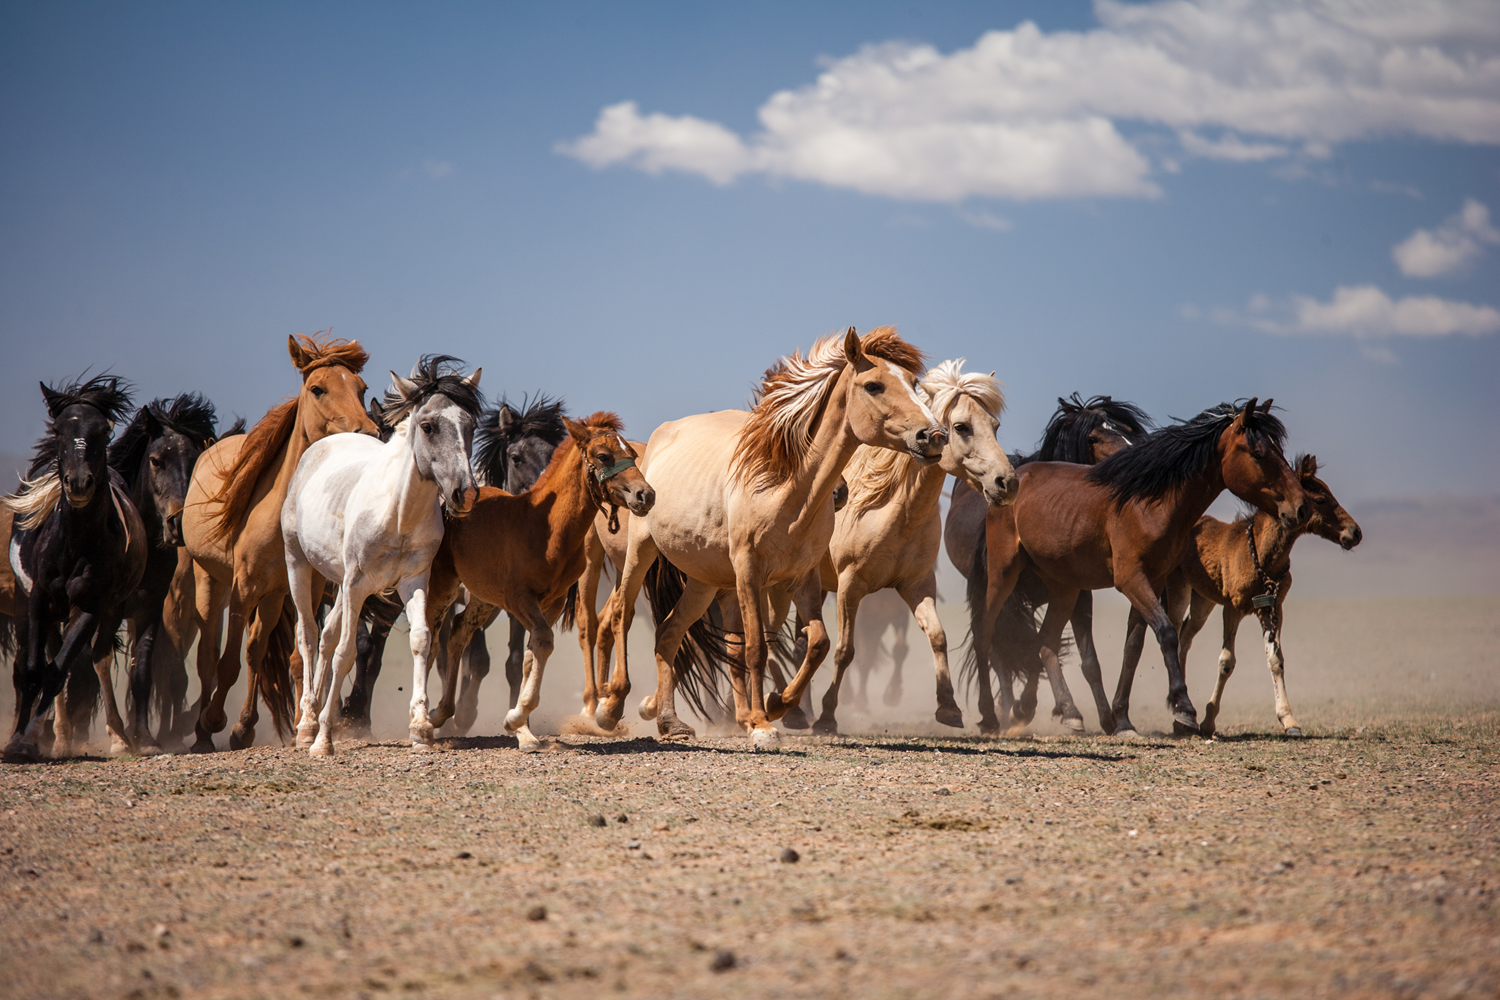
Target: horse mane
pixel 540 417
pixel 41 488
pixel 190 415
pixel 774 441
pixel 875 476
pixel 274 430
pixel 1066 438
pixel 434 375
pixel 1173 456
pixel 601 420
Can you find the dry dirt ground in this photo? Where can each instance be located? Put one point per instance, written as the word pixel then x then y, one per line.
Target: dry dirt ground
pixel 1363 860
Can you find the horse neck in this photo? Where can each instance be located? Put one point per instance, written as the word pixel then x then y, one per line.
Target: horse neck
pixel 1273 544
pixel 570 515
pixel 1192 499
pixel 925 493
pixel 811 488
pixel 413 494
pixel 145 504
pixel 289 455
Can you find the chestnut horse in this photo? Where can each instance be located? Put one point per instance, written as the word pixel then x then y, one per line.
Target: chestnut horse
pixel 231 528
pixel 1239 565
pixel 524 554
pixel 1127 522
pixel 747 504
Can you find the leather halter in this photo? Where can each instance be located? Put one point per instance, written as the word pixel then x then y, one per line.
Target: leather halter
pixel 1264 604
pixel 599 479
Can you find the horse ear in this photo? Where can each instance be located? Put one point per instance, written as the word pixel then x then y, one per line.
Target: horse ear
pixel 376 414
pixel 404 386
pixel 1249 407
pixel 53 399
pixel 853 353
pixel 577 429
pixel 507 418
pixel 1266 406
pixel 1308 465
pixel 300 358
pixel 473 380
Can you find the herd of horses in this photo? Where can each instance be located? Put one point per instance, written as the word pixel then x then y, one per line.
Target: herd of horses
pixel 291 548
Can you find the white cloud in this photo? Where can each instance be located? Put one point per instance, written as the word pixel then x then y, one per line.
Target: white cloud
pixel 1025 114
pixel 1367 313
pixel 1428 253
pixel 987 220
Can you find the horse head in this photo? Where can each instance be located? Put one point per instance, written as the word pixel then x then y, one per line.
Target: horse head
pixel 1255 469
pixel 156 455
pixel 332 400
pixel 1328 519
pixel 609 463
pixel 82 418
pixel 968 406
pixel 881 400
pixel 440 408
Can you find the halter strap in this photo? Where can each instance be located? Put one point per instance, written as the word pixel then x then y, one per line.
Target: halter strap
pixel 609 472
pixel 1264 604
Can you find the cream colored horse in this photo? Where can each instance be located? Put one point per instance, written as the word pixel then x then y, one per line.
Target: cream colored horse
pixel 746 504
pixel 890 532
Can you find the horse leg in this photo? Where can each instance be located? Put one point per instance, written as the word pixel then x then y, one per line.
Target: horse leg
pixel 538 651
pixel 44 684
pixel 922 599
pixel 1060 604
pixel 179 626
pixel 809 598
pixel 1144 597
pixel 1003 561
pixel 104 661
pixel 473 669
pixel 211 597
pixel 1082 621
pixel 694 602
pixel 370 638
pixel 477 617
pixel 306 586
pixel 515 655
pixel 242 605
pixel 588 622
pixel 899 649
pixel 1278 680
pixel 1135 643
pixel 734 640
pixel 1198 617
pixel 267 617
pixel 851 591
pixel 336 648
pixel 141 678
pixel 639 555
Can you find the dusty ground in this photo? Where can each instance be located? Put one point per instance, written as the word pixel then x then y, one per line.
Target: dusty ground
pixel 1361 861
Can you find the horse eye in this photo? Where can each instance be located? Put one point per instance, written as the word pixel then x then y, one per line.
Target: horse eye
pixel 156 463
pixel 317 391
pixel 1320 500
pixel 874 388
pixel 428 427
pixel 962 429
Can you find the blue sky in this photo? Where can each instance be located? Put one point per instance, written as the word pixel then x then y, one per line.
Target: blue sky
pixel 1175 205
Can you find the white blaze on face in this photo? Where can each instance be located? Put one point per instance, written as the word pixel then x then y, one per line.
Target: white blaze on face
pixel 911 391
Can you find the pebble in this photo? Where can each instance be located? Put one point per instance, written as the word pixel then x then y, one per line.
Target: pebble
pixel 723 961
pixel 789 856
pixel 537 913
pixel 598 821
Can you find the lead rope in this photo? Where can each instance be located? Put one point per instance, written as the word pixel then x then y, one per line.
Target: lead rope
pixel 1264 604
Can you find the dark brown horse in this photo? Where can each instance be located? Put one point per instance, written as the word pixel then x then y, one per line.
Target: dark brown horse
pixel 1246 566
pixel 1126 523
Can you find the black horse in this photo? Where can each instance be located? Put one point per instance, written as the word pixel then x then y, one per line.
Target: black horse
pixel 511 449
pixel 155 456
pixel 78 550
pixel 1084 432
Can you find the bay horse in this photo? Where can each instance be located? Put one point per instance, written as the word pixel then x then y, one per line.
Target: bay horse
pixel 155 455
pixel 889 532
pixel 1239 565
pixel 1127 522
pixel 1084 432
pixel 747 504
pixel 231 527
pixel 77 549
pixel 524 553
pixel 369 515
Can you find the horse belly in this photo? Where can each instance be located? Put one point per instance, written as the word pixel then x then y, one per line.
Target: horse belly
pixel 687 463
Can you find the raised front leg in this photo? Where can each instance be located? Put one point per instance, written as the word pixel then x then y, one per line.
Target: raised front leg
pixel 922 599
pixel 851 591
pixel 1201 608
pixel 538 651
pixel 809 598
pixel 43 679
pixel 1082 621
pixel 260 631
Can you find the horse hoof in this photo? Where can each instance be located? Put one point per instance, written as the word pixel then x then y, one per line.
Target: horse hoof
pixel 1207 728
pixel 150 750
pixel 320 750
pixel 775 707
pixel 648 707
pixel 534 746
pixel 1127 732
pixel 989 727
pixel 422 746
pixel 604 720
pixel 675 729
pixel 1073 722
pixel 21 752
pixel 828 726
pixel 202 745
pixel 795 718
pixel 1184 724
pixel 118 747
pixel 765 739
pixel 1294 732
pixel 949 715
pixel 241 737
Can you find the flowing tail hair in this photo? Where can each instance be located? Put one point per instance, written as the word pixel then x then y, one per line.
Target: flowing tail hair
pixel 1015 640
pixel 274 676
pixel 700 668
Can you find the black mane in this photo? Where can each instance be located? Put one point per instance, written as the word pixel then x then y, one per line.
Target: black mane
pixel 1066 438
pixel 1171 457
pixel 498 429
pixel 189 414
pixel 435 374
pixel 109 394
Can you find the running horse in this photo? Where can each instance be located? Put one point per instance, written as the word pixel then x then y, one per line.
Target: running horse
pixel 1246 566
pixel 77 550
pixel 1126 523
pixel 746 504
pixel 231 527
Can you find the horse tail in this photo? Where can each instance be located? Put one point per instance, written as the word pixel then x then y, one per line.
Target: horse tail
pixel 569 620
pixel 700 668
pixel 976 590
pixel 7 633
pixel 274 676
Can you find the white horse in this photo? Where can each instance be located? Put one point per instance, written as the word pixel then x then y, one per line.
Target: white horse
pixel 369 516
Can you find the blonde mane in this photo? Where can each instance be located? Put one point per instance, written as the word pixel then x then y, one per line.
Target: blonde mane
pixel 35 499
pixel 773 443
pixel 876 476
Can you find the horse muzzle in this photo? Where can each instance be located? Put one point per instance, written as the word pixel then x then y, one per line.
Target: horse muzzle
pixel 1350 537
pixel 641 501
pixel 1002 492
pixel 172 529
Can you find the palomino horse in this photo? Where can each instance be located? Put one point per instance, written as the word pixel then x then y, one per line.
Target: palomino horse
pixel 1084 432
pixel 370 515
pixel 524 553
pixel 1240 565
pixel 77 549
pixel 232 529
pixel 889 533
pixel 1127 522
pixel 747 504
